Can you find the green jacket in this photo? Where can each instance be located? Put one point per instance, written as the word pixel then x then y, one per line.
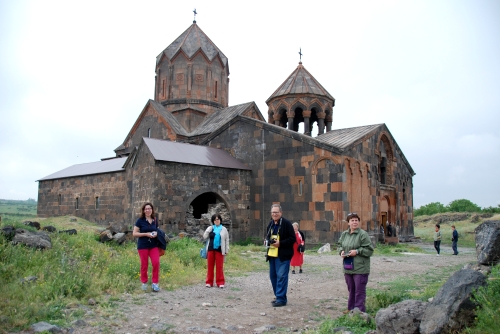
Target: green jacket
pixel 359 240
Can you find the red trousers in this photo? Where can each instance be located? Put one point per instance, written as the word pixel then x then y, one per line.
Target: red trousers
pixel 217 259
pixel 154 255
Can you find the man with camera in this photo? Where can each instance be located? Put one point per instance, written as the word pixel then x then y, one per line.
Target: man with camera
pixel 279 241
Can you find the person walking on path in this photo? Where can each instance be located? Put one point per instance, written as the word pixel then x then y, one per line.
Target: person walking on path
pixel 454 240
pixel 280 239
pixel 355 250
pixel 298 249
pixel 437 239
pixel 145 229
pixel 217 249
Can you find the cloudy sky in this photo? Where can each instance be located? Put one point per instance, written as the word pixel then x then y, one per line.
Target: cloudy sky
pixel 74 76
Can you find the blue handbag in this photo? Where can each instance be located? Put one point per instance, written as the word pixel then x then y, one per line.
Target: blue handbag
pixel 203 251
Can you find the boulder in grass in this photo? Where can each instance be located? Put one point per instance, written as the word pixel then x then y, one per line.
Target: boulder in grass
pixel 452 309
pixel 488 242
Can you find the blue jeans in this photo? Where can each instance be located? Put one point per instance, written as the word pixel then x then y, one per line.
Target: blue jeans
pixel 278 273
pixel 454 247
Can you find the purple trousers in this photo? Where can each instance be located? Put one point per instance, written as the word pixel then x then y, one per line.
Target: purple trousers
pixel 356 285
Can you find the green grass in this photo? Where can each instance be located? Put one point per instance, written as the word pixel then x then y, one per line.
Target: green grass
pixel 488 314
pixel 10 209
pixel 425 230
pixel 79 267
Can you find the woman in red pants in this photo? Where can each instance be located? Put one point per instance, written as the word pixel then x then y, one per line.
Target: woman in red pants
pixel 217 249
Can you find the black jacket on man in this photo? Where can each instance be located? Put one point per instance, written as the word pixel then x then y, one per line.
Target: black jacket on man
pixel 287 238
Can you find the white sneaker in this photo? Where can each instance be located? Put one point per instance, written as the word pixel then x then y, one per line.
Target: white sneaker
pixel 156 287
pixel 144 286
pixel 437 255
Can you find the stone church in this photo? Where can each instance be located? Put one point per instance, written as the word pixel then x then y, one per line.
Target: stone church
pixel 189 151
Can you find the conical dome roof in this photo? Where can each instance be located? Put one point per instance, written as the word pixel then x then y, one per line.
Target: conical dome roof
pixel 190 41
pixel 300 82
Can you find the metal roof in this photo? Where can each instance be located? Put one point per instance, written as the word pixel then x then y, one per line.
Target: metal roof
pixel 342 138
pixel 221 117
pixel 98 167
pixel 165 150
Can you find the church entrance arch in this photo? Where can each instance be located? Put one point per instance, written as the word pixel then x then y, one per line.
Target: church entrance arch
pixel 384 216
pixel 199 210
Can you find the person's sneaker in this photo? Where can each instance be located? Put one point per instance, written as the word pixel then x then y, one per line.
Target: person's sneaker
pixel 300 271
pixel 156 287
pixel 437 255
pixel 293 271
pixel 221 286
pixel 208 285
pixel 144 286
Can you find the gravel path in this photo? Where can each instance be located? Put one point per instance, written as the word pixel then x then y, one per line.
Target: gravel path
pixel 244 305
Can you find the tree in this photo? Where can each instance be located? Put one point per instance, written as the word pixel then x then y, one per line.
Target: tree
pixel 463 205
pixel 430 209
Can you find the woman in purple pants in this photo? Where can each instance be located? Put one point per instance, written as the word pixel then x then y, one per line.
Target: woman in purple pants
pixel 355 250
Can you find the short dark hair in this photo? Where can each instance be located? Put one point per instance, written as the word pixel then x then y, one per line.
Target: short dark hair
pixel 217 215
pixel 438 226
pixel 351 215
pixel 143 215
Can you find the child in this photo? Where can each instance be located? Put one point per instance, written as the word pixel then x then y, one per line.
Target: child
pixel 437 239
pixel 454 240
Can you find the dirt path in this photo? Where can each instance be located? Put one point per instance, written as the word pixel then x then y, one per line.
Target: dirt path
pixel 244 305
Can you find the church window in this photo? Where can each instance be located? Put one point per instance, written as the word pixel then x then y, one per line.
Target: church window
pixel 76 203
pixel 383 170
pixel 59 199
pixel 149 133
pixel 215 93
pixel 164 88
pixel 300 187
pixel 97 202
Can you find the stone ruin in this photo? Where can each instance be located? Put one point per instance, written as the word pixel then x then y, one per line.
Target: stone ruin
pixel 194 228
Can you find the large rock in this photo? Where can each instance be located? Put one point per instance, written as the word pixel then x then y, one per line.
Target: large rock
pixel 39 240
pixel 452 309
pixel 488 242
pixel 401 318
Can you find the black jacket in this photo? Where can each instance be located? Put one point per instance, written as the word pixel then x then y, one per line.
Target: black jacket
pixel 287 238
pixel 162 239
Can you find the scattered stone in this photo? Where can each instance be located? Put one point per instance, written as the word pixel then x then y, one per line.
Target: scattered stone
pixel 70 232
pixel 401 318
pixel 45 327
pixel 324 249
pixel 92 302
pixel 32 224
pixel 28 279
pixel 49 229
pixel 38 240
pixel 263 329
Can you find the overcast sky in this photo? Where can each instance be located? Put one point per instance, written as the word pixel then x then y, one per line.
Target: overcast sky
pixel 74 76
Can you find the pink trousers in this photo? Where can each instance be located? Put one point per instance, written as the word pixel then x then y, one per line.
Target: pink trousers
pixel 154 255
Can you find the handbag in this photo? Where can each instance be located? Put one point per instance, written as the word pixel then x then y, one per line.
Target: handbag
pixel 301 249
pixel 349 263
pixel 203 250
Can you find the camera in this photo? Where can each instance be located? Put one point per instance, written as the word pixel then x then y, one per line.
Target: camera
pixel 272 241
pixel 347 255
pixel 153 234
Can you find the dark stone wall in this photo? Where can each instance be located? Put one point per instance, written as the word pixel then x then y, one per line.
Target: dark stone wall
pixel 110 189
pixel 172 187
pixel 316 187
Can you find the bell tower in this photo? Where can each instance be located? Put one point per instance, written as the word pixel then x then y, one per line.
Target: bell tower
pixel 192 78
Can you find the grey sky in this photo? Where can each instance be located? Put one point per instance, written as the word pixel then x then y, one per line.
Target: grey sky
pixel 74 76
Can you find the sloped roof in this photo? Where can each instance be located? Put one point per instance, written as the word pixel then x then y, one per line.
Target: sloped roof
pixel 190 41
pixel 165 150
pixel 221 116
pixel 98 167
pixel 343 138
pixel 178 128
pixel 300 82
